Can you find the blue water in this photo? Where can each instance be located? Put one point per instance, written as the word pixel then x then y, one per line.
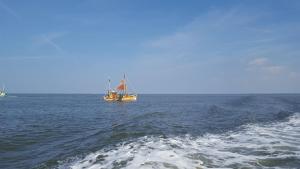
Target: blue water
pixel 157 131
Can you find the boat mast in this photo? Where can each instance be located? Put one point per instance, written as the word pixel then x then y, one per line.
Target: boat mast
pixel 109 85
pixel 125 84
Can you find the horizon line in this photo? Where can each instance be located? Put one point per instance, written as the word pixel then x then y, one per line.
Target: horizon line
pixel 252 93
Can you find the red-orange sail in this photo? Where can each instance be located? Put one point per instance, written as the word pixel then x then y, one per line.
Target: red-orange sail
pixel 122 85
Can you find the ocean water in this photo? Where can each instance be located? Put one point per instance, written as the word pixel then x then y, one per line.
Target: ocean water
pixel 158 131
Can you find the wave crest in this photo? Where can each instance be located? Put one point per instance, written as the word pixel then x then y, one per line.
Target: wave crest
pixel 254 146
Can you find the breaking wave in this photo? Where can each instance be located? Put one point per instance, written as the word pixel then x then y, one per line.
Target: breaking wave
pixel 274 145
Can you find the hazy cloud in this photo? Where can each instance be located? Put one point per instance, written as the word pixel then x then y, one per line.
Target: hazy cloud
pixel 216 47
pixel 258 61
pixel 264 65
pixel 21 58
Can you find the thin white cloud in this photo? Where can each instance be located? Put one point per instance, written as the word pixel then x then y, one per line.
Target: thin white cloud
pixel 207 31
pixel 50 39
pixel 258 61
pixel 178 39
pixel 9 10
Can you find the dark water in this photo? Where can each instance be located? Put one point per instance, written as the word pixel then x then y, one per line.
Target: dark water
pixel 157 131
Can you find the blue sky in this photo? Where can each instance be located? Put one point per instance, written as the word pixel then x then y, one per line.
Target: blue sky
pixel 73 46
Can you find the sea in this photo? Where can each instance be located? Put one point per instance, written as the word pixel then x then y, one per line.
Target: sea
pixel 158 131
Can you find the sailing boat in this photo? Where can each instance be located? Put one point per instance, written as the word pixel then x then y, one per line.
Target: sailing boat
pixel 2 92
pixel 120 94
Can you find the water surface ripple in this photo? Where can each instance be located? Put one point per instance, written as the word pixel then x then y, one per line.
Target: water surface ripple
pixel 157 131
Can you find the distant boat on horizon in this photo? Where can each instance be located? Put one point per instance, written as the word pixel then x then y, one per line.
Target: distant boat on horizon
pixel 2 92
pixel 120 94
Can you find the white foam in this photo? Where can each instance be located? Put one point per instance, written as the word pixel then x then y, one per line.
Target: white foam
pixel 245 148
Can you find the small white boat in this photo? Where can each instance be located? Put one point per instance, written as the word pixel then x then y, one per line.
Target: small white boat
pixel 2 92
